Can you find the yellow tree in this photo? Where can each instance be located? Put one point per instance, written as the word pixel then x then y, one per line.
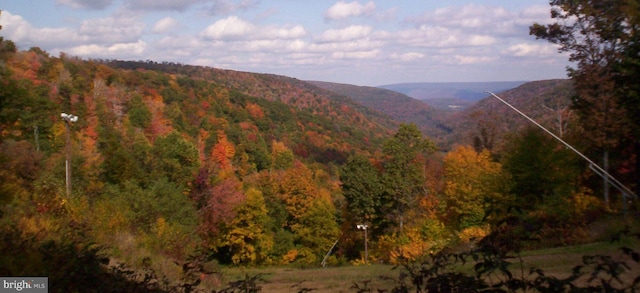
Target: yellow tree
pixel 317 229
pixel 297 190
pixel 310 212
pixel 473 184
pixel 248 238
pixel 282 157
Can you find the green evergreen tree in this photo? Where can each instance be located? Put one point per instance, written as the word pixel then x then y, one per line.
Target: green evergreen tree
pixel 363 190
pixel 404 170
pixel 541 168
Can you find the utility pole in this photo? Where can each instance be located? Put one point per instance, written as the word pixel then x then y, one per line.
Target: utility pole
pixel 68 119
pixel 366 249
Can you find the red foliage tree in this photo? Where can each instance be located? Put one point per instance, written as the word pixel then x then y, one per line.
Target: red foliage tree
pixel 221 200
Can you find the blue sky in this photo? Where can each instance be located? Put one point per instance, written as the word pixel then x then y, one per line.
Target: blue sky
pixel 358 42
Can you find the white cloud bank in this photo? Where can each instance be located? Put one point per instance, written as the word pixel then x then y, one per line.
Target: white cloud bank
pixel 416 48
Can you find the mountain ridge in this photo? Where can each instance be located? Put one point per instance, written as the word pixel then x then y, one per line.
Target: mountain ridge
pixel 470 91
pixel 398 106
pixel 447 126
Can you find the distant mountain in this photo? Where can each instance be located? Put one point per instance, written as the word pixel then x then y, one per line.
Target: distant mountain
pixel 467 91
pixel 486 119
pixel 398 106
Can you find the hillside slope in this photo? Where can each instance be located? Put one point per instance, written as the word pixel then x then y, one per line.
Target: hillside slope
pixel 398 106
pixel 487 119
pixel 276 88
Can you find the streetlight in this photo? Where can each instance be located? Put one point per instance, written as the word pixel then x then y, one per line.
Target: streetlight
pixel 366 249
pixel 68 119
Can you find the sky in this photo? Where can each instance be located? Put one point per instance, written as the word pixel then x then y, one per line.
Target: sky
pixel 367 43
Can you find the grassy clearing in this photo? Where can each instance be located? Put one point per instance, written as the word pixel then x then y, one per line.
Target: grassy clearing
pixel 330 279
pixel 559 261
pixel 554 261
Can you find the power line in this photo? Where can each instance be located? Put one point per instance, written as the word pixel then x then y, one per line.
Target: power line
pixel 593 166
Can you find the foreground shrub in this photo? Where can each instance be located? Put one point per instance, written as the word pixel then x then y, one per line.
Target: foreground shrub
pixel 74 264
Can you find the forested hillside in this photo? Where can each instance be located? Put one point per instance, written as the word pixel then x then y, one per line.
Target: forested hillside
pixel 398 106
pixel 486 120
pixel 168 161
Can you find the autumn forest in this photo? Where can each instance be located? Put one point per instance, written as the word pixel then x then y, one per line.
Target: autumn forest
pixel 176 168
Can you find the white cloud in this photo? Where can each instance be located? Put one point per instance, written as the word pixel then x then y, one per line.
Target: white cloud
pixel 343 9
pixel 230 28
pixel 346 34
pixel 17 29
pixel 356 54
pixel 531 50
pixel 287 32
pixel 470 16
pixel 483 19
pixel 353 46
pixel 233 28
pixel 165 25
pixel 462 59
pixel 110 51
pixel 480 40
pixel 410 56
pixel 96 38
pixel 297 45
pixel 112 29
